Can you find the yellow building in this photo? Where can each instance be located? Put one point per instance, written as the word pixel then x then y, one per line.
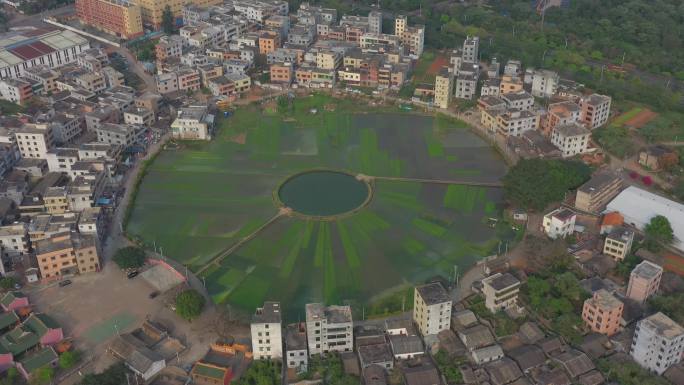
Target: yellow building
pixel 152 10
pixel 444 88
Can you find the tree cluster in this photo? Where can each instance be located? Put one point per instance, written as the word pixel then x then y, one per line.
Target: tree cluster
pixel 261 372
pixel 558 298
pixel 114 375
pixel 658 233
pixel 189 304
pixel 535 183
pixel 130 257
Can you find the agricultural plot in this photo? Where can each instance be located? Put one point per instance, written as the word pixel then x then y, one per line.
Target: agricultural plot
pixel 204 197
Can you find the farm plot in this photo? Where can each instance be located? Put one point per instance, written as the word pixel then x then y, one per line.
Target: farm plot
pixel 202 199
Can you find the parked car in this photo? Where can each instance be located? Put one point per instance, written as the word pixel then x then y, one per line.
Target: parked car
pixel 154 294
pixel 65 282
pixel 132 274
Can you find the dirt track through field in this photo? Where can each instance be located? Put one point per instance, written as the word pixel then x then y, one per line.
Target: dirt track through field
pixel 641 119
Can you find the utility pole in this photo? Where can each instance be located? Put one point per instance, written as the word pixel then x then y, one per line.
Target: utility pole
pixel 623 58
pixel 602 67
pixel 455 279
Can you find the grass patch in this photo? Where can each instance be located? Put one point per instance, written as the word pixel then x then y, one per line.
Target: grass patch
pixel 625 117
pixel 429 227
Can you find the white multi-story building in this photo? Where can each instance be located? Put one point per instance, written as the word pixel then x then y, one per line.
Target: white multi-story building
pixel 521 100
pixel 544 83
pixel 296 354
pixel 192 123
pixel 13 241
pixel 559 223
pixel 595 110
pixel 471 47
pixel 329 328
pixel 431 308
pixel 119 134
pixel 266 330
pixel 34 140
pixel 572 139
pixel 500 291
pixel 658 343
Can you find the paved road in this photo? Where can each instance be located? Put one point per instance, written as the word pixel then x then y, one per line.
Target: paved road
pixel 135 66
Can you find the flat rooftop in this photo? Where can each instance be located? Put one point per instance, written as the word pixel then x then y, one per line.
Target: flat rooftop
pixel 333 314
pixel 501 281
pixel 647 270
pixel 433 293
pixel 663 325
pixel 269 313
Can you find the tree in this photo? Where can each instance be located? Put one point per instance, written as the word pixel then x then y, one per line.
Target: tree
pixel 167 24
pixel 658 233
pixel 129 257
pixel 11 377
pixel 7 283
pixel 189 304
pixel 535 183
pixel 568 286
pixel 537 289
pixel 43 375
pixel 68 360
pixel 448 367
pixel 113 375
pixel 261 372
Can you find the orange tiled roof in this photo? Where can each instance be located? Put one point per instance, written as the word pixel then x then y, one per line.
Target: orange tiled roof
pixel 613 219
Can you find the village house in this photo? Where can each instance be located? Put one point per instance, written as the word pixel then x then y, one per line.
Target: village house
pixel 602 313
pixel 618 243
pixel 431 308
pixel 572 139
pixel 266 326
pixel 500 291
pixel 559 223
pixel 644 281
pixel 328 329
pixel 595 194
pixel 658 343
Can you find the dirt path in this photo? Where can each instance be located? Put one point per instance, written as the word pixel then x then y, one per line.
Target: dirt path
pixel 440 181
pixel 224 254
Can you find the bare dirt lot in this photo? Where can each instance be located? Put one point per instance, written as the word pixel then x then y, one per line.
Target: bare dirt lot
pixel 641 119
pixel 95 307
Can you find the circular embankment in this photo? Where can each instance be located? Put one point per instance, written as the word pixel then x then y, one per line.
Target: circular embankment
pixel 323 195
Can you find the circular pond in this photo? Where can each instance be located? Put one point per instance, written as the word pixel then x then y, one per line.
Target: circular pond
pixel 323 193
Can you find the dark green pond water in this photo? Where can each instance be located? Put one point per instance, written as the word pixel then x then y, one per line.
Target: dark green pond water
pixel 323 193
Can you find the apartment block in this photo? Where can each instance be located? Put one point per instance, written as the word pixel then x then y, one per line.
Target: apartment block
pixel 266 330
pixel 514 122
pixel 16 90
pixel 602 313
pixel 618 243
pixel 544 83
pixel 520 100
pixel 572 139
pixel 644 281
pixel 168 47
pixel 67 254
pixel 329 328
pixel 658 343
pixel 269 41
pixel 594 195
pixel 595 110
pixel 444 85
pixel 282 73
pixel 470 52
pixel 431 309
pixel 500 291
pixel 119 134
pixel 192 123
pixel 121 18
pixel 35 140
pixel 13 241
pixel 152 11
pixel 510 83
pixel 296 354
pixel 559 223
pixel 560 113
